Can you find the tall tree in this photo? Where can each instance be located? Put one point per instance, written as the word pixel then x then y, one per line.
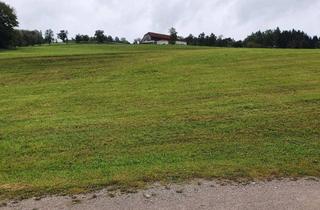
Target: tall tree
pixel 173 35
pixel 63 35
pixel 99 36
pixel 191 40
pixel 85 38
pixel 49 36
pixel 202 39
pixel 277 37
pixel 212 39
pixel 8 20
pixel 109 38
pixel 78 38
pixel 117 39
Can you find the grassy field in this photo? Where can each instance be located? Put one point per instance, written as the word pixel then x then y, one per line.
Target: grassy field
pixel 80 117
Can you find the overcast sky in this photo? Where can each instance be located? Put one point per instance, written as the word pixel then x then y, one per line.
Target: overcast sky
pixel 133 18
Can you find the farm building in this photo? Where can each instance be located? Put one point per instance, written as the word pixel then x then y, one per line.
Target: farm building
pixel 161 39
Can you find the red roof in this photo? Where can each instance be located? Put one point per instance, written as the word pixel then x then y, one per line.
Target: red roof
pixel 159 36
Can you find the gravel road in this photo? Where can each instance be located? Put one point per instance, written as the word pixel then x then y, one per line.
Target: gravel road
pixel 202 195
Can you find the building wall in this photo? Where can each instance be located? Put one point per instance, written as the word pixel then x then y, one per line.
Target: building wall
pixel 162 42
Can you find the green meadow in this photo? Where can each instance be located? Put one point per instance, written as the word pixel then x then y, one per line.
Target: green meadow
pixel 75 118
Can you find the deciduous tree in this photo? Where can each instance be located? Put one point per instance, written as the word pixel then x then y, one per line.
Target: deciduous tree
pixel 8 21
pixel 63 35
pixel 99 36
pixel 173 35
pixel 49 36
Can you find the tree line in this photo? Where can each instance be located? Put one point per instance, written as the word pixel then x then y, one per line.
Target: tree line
pixel 22 38
pixel 11 37
pixel 282 39
pixel 267 39
pixel 212 40
pixel 99 37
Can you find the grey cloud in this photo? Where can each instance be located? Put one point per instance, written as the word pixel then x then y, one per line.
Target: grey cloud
pixel 269 9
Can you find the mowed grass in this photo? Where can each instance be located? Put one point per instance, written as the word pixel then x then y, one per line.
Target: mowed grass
pixel 80 117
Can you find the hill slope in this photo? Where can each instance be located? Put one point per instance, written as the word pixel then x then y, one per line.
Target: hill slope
pixel 77 117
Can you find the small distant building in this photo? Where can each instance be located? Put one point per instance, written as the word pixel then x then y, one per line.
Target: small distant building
pixel 160 39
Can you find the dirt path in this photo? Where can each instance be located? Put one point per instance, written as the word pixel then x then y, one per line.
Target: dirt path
pixel 285 194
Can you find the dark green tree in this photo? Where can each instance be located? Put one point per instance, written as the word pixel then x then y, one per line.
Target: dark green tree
pixel 8 21
pixel 277 37
pixel 191 40
pixel 109 38
pixel 78 38
pixel 212 39
pixel 202 39
pixel 173 35
pixel 82 38
pixel 49 36
pixel 63 35
pixel 26 38
pixel 117 39
pixel 85 38
pixel 315 42
pixel 99 36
